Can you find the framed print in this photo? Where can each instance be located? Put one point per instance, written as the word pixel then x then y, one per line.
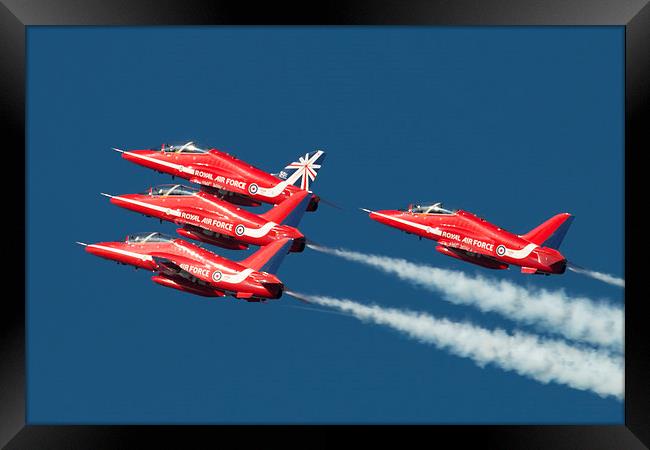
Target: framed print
pixel 313 136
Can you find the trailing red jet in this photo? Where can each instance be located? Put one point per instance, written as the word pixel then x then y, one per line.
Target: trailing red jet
pixel 190 268
pixel 465 236
pixel 235 180
pixel 206 218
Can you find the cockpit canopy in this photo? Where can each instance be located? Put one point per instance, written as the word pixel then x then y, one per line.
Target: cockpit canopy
pixel 429 208
pixel 188 147
pixel 163 190
pixel 148 237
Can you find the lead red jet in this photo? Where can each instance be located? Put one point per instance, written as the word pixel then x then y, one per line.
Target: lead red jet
pixel 235 180
pixel 206 218
pixel 190 268
pixel 465 236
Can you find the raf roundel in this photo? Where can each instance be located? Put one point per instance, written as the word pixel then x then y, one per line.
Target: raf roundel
pixel 501 250
pixel 216 275
pixel 252 188
pixel 240 229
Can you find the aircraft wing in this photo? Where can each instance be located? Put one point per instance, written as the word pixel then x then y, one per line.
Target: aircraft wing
pixel 169 264
pixel 472 257
pixel 166 264
pixel 471 250
pixel 463 239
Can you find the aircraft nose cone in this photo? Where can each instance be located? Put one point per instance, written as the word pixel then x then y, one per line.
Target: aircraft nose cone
pixel 92 249
pixel 119 200
pixel 132 155
pixel 116 201
pixel 371 214
pixel 383 216
pixel 97 251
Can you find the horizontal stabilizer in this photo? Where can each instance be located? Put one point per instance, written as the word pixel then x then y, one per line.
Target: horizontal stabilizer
pixel 290 211
pixel 268 258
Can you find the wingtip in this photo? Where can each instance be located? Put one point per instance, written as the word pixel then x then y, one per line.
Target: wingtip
pixel 82 243
pixel 117 150
pixel 366 210
pixel 106 195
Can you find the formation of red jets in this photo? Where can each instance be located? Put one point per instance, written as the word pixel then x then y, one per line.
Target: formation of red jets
pixel 211 213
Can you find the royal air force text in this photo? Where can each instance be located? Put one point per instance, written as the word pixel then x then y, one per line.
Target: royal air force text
pixel 224 181
pixel 475 243
pixel 207 221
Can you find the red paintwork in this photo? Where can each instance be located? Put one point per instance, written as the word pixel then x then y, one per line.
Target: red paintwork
pixel 221 173
pixel 200 268
pixel 208 219
pixel 475 258
pixel 467 237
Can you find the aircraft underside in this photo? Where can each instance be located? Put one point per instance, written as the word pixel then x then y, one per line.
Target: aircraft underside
pixel 474 258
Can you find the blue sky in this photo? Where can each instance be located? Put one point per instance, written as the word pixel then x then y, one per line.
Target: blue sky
pixel 514 124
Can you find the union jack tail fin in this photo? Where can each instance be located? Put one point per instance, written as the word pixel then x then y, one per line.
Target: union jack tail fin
pixel 290 211
pixel 303 172
pixel 552 232
pixel 268 258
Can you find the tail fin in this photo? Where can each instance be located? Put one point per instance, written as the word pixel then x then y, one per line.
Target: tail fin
pixel 269 257
pixel 552 232
pixel 303 172
pixel 290 211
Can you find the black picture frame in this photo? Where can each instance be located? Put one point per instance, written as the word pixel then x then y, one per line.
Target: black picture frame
pixel 16 15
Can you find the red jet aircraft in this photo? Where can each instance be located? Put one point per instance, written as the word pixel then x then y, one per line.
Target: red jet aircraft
pixel 190 268
pixel 465 236
pixel 235 180
pixel 208 219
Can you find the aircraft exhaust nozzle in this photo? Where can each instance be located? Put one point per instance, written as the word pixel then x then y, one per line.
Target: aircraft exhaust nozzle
pixel 559 267
pixel 298 245
pixel 275 289
pixel 313 203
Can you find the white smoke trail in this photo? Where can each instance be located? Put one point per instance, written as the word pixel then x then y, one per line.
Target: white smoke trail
pixel 604 277
pixel 576 318
pixel 528 355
